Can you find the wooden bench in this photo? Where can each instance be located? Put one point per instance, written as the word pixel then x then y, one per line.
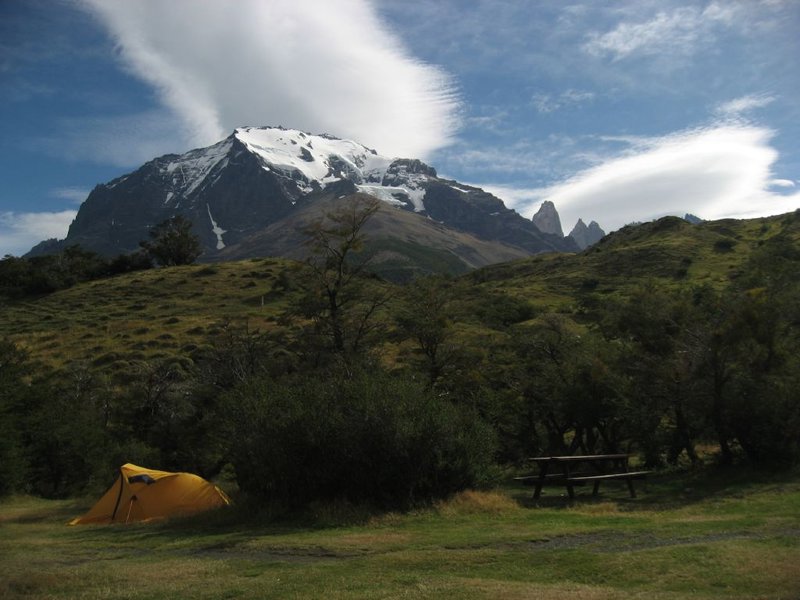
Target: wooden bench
pixel 628 476
pixel 596 468
pixel 550 477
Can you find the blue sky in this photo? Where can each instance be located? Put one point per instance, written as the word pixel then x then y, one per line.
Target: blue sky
pixel 615 111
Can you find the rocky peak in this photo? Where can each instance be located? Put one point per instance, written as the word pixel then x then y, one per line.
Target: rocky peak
pixel 403 169
pixel 586 236
pixel 693 219
pixel 259 177
pixel 547 220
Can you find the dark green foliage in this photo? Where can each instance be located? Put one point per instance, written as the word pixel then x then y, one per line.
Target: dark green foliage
pixel 338 300
pixel 45 274
pixel 724 245
pixel 128 263
pixel 372 437
pixel 172 243
pixel 653 366
pixel 66 438
pixel 571 393
pixel 499 310
pixel 20 277
pixel 425 316
pixel 14 393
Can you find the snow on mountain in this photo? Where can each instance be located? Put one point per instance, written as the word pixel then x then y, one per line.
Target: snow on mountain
pixel 195 166
pixel 185 173
pixel 320 158
pixel 259 176
pixel 311 161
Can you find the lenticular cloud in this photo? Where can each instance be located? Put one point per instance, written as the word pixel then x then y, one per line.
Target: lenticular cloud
pixel 314 65
pixel 715 172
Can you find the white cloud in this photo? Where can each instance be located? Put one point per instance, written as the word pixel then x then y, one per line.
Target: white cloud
pixel 19 232
pixel 737 106
pixel 715 172
pixel 75 195
pixel 547 103
pixel 784 183
pixel 675 32
pixel 314 65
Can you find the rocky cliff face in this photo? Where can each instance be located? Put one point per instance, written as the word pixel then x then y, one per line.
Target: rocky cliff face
pixel 585 236
pixel 259 176
pixel 693 219
pixel 547 219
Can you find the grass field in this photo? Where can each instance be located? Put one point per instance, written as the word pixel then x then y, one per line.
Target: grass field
pixel 716 534
pixel 111 324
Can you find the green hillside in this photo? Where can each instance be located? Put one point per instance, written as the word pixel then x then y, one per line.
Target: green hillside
pixel 170 312
pixel 155 314
pixel 671 341
pixel 671 251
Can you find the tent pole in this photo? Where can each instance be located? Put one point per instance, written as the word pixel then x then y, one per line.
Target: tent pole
pixel 130 506
pixel 119 496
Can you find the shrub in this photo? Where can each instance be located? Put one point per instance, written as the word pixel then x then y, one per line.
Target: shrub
pixel 502 310
pixel 724 245
pixel 173 243
pixel 371 438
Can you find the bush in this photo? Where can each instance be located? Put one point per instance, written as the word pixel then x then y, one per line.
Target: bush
pixel 129 263
pixel 172 243
pixel 372 438
pixel 14 394
pixel 724 245
pixel 499 310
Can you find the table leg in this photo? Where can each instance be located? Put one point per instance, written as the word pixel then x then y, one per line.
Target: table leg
pixel 630 487
pixel 623 466
pixel 570 487
pixel 540 482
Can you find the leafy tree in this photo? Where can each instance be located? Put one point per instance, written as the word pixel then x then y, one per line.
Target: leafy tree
pixel 20 277
pixel 13 397
pixel 49 273
pixel 66 436
pixel 336 300
pixel 425 317
pixel 764 309
pixel 173 243
pixel 127 263
pixel 366 436
pixel 663 404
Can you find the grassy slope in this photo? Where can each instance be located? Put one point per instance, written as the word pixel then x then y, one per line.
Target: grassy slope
pixel 718 536
pixel 151 314
pixel 722 535
pixel 670 250
pixel 171 312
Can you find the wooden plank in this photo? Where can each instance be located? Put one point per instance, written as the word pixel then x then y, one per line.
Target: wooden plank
pixel 576 458
pixel 549 478
pixel 625 475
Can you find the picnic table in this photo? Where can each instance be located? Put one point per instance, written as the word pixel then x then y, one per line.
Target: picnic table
pixel 573 470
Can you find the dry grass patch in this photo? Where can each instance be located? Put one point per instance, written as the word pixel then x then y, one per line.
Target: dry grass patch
pixel 599 508
pixel 376 540
pixel 515 590
pixel 472 502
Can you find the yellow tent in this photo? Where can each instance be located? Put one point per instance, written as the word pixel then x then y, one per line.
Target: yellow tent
pixel 141 494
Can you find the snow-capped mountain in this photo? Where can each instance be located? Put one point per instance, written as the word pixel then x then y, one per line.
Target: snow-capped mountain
pixel 258 176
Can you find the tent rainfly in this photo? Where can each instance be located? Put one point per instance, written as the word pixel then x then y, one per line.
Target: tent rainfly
pixel 141 494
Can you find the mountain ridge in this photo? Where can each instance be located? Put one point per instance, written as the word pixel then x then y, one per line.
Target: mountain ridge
pixel 258 176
